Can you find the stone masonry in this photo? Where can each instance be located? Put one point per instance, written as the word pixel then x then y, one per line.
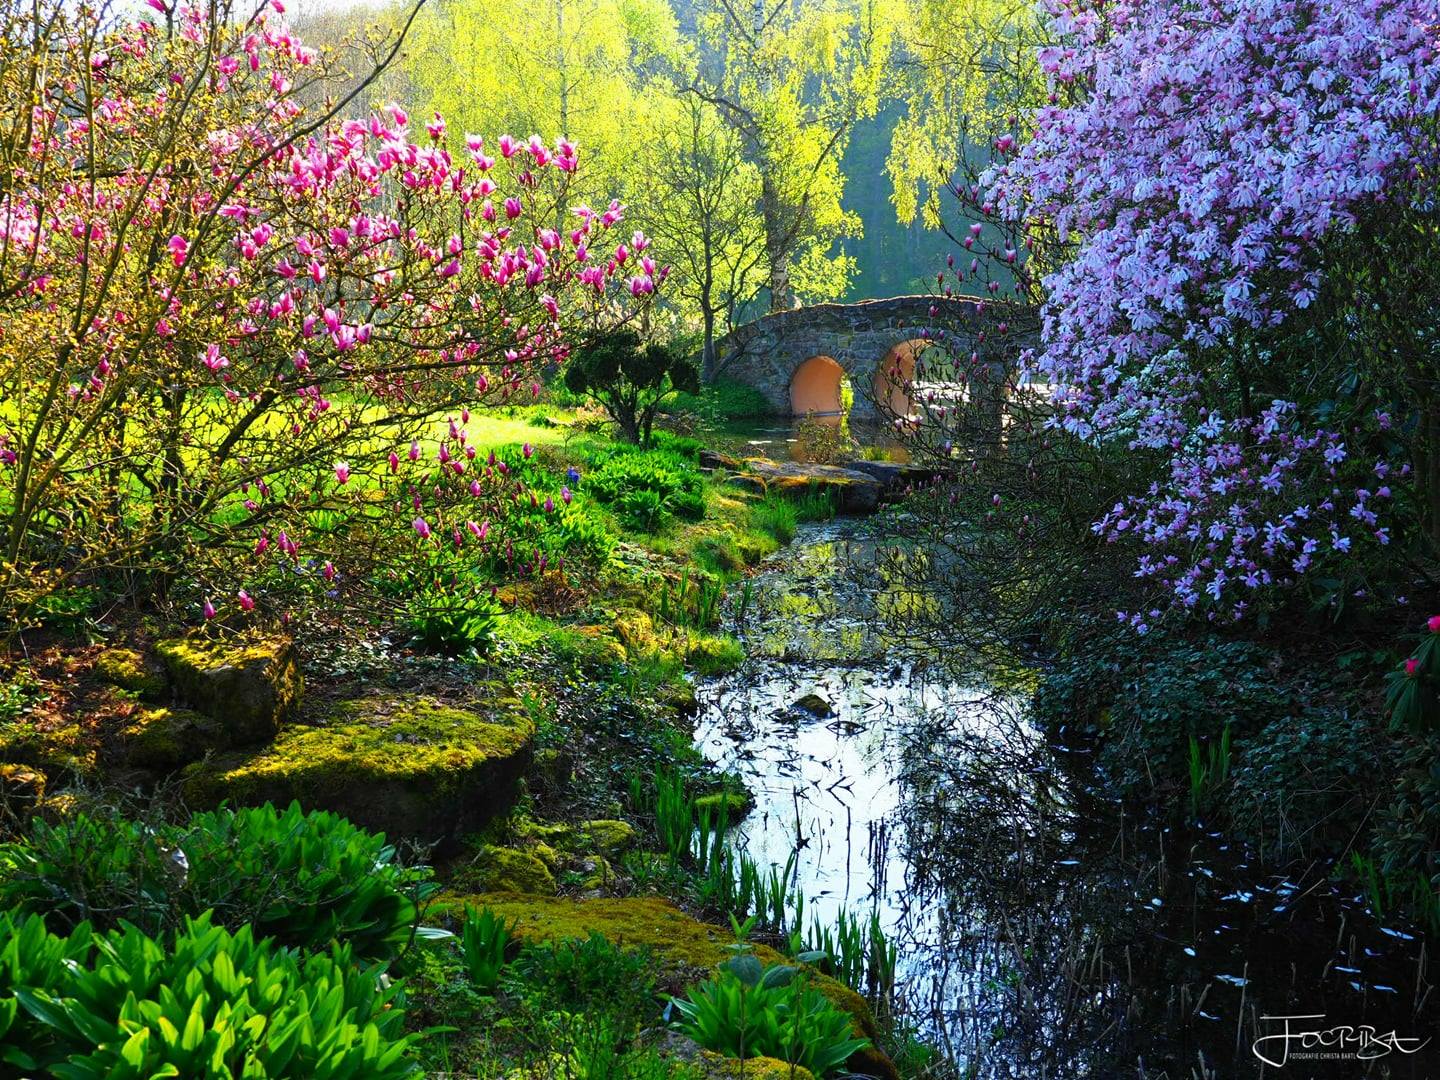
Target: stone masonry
pixel 765 353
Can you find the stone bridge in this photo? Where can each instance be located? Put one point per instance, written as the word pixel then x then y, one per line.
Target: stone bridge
pixel 798 358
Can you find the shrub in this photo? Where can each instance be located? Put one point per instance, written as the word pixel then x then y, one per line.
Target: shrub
pixel 205 1003
pixel 630 380
pixel 305 878
pixel 749 1010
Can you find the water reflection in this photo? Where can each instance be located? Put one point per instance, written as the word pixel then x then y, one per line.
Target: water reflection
pixel 1042 931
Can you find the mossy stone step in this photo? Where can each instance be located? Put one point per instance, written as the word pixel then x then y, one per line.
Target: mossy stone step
pixel 250 685
pixel 402 764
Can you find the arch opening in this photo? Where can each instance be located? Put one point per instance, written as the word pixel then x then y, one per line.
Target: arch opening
pixel 820 387
pixel 895 378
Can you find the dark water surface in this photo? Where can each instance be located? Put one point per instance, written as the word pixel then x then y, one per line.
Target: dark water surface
pixel 1042 932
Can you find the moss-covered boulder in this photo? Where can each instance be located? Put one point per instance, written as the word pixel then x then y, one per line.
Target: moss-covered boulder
pixel 166 739
pixel 853 491
pixel 713 1066
pixel 250 685
pixel 686 949
pixel 509 870
pixel 130 670
pixel 734 805
pixel 402 764
pixel 55 748
pixel 608 837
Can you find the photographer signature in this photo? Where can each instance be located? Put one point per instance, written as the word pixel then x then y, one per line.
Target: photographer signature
pixel 1343 1040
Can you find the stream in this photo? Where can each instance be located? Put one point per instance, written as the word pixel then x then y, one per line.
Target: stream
pixel 1041 931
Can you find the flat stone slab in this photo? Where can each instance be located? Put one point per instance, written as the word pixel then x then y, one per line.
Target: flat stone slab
pixel 401 764
pixel 857 492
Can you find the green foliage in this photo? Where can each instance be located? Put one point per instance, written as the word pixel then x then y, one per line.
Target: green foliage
pixel 629 379
pixel 817 504
pixel 591 975
pixel 1209 768
pixel 725 399
pixel 1306 782
pixel 31 958
pixel 19 693
pixel 204 1003
pixel 645 488
pixel 1145 697
pixel 691 603
pixel 453 622
pixel 855 951
pixel 1407 825
pixel 1412 696
pixel 306 879
pixel 484 938
pixel 750 1010
pixel 777 516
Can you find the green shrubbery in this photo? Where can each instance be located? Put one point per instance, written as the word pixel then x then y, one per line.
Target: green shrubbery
pixel 749 1010
pixel 646 488
pixel 203 1002
pixel 306 879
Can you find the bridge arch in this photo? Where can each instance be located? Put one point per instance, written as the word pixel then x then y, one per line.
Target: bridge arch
pixel 818 386
pixel 875 343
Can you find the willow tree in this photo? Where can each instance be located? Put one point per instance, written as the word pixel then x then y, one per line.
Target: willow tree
pixel 573 68
pixel 969 75
pixel 792 77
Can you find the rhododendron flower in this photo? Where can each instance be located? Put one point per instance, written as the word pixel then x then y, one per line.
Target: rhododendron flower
pixel 1412 666
pixel 1434 624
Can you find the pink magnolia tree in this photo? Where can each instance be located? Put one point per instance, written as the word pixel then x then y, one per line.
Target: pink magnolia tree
pixel 231 306
pixel 1238 204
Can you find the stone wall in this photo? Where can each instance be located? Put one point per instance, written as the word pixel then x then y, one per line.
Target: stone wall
pixel 765 353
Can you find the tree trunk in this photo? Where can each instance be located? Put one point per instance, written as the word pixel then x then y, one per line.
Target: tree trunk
pixel 708 358
pixel 777 246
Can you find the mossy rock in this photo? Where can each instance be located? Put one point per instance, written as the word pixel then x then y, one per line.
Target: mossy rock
pixel 685 948
pixel 509 870
pixel 59 750
pixel 129 670
pixel 734 804
pixel 166 739
pixel 401 764
pixel 715 1066
pixel 636 631
pixel 22 791
pixel 714 654
pixel 606 836
pixel 679 696
pixel 250 685
pixel 600 646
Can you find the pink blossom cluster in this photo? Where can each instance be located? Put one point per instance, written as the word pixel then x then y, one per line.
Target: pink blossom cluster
pixel 1209 149
pixel 185 245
